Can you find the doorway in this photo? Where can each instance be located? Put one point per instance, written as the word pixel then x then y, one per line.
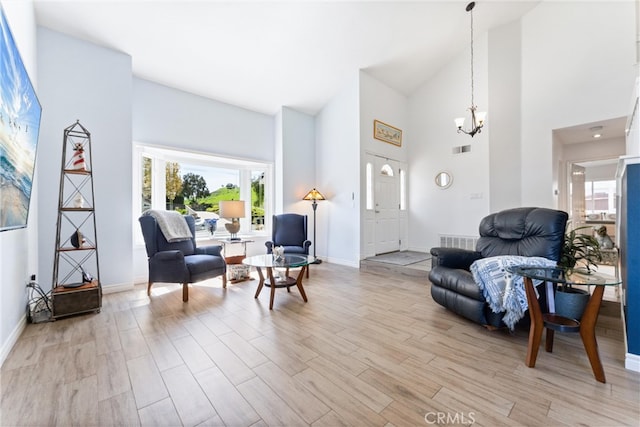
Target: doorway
pixel 586 153
pixel 385 215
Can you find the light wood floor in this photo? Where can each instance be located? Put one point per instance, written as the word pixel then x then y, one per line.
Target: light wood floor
pixel 366 350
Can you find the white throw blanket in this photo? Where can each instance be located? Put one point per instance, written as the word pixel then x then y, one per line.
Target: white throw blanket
pixel 503 290
pixel 172 224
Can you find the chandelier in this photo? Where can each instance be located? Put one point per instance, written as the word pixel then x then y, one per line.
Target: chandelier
pixel 477 117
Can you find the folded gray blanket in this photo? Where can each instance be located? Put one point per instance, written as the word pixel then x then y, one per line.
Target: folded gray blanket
pixel 172 224
pixel 503 290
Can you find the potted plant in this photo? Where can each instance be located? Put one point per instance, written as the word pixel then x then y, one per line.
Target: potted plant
pixel 579 251
pixel 579 248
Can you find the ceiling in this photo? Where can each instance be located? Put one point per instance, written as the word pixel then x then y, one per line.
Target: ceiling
pixel 263 55
pixel 607 129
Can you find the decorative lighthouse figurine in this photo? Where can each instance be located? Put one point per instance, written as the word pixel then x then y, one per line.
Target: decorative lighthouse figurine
pixel 78 201
pixel 78 158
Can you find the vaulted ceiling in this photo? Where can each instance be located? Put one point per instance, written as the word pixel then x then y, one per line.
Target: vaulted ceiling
pixel 262 55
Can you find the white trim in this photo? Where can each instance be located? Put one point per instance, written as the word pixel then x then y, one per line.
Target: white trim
pixel 344 262
pixel 119 287
pixel 632 362
pixel 12 339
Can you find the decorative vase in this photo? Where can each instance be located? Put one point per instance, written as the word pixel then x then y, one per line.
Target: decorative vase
pixel 571 302
pixel 278 253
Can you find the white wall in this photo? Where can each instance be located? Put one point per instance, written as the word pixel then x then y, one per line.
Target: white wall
pixel 594 150
pixel 432 109
pixel 577 67
pixel 19 248
pixel 298 163
pixel 504 116
pixel 81 81
pixel 338 176
pixel 172 118
pixel 380 102
pixel 296 168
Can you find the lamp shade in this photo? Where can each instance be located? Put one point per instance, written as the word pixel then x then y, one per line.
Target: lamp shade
pixel 232 209
pixel 481 116
pixel 314 195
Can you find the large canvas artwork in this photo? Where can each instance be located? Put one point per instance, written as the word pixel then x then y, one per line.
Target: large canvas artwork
pixel 20 113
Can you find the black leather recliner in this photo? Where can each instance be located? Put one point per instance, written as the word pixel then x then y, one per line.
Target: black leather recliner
pixel 519 231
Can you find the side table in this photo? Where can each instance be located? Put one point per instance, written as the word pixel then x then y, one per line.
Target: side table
pixel 270 263
pixel 553 322
pixel 236 270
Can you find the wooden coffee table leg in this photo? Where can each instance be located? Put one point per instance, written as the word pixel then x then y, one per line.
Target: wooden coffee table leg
pixel 261 284
pixel 299 282
pixel 272 280
pixel 588 332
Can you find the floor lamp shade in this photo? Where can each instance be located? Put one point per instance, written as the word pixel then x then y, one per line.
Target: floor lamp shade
pixel 314 195
pixel 232 209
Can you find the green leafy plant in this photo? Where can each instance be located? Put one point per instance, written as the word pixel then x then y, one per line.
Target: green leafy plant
pixel 579 248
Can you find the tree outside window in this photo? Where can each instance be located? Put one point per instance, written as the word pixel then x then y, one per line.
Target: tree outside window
pixel 195 184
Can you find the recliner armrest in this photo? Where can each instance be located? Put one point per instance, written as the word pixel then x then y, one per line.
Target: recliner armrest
pixel 210 250
pixel 454 257
pixel 306 244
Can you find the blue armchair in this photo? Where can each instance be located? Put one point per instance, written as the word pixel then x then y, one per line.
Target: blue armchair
pixel 290 232
pixel 180 262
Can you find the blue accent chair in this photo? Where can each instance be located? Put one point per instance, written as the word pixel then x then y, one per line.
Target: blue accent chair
pixel 290 231
pixel 180 262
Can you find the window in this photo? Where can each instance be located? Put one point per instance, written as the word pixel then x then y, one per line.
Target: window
pixel 600 196
pixel 386 170
pixel 403 190
pixel 369 196
pixel 195 183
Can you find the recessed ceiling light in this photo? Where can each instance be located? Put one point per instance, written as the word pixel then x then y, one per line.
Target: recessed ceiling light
pixel 596 135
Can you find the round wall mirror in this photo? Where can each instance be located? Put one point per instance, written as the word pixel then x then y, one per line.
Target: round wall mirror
pixel 444 180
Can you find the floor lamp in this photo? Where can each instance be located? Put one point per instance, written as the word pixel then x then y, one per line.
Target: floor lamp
pixel 314 195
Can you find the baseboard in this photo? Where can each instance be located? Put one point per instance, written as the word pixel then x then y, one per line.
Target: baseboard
pixel 418 249
pixel 345 262
pixel 118 287
pixel 632 362
pixel 13 338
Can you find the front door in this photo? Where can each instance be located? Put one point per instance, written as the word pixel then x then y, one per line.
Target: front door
pixel 387 209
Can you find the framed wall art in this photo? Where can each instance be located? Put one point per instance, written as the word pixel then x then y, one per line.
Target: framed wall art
pixel 387 133
pixel 19 127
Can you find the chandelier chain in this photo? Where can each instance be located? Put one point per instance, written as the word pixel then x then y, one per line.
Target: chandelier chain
pixel 477 122
pixel 472 100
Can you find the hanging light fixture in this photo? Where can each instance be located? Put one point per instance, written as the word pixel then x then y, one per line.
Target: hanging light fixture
pixel 477 117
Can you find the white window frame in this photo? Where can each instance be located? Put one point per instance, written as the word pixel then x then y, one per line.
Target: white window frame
pixel 161 155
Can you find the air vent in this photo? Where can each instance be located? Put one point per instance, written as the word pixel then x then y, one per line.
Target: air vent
pixel 460 242
pixel 461 149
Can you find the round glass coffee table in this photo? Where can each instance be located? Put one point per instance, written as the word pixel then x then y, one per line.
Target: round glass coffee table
pixel 276 280
pixel 553 322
